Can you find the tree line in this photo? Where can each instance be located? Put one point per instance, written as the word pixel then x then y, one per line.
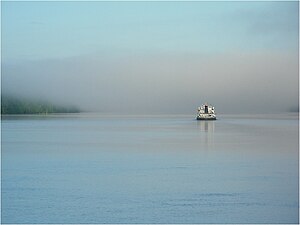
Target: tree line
pixel 15 105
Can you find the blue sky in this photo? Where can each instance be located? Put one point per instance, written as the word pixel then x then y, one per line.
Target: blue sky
pixel 136 36
pixel 62 29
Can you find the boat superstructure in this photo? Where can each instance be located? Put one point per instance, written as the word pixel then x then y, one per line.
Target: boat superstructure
pixel 206 112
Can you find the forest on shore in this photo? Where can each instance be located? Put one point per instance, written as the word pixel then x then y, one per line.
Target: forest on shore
pixel 17 105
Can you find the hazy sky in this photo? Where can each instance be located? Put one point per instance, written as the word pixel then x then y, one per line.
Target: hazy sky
pixel 153 57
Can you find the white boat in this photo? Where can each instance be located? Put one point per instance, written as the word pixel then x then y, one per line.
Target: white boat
pixel 206 112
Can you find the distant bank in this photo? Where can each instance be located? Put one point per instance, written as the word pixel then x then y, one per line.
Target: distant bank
pixel 15 105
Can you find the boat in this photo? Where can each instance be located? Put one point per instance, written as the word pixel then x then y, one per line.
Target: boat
pixel 206 112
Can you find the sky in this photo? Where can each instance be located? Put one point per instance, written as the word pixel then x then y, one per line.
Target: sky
pixel 153 57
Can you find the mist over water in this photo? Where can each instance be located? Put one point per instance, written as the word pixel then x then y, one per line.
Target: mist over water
pixel 236 83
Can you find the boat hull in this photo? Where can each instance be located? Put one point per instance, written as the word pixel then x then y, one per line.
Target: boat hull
pixel 211 118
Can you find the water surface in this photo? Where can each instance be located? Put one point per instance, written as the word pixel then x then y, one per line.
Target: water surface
pixel 149 169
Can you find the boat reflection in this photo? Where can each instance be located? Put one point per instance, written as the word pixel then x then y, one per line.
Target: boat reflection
pixel 206 129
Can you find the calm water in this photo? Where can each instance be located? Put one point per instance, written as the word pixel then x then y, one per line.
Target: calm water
pixel 156 169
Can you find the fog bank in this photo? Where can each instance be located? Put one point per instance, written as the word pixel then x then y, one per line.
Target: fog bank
pixel 164 83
